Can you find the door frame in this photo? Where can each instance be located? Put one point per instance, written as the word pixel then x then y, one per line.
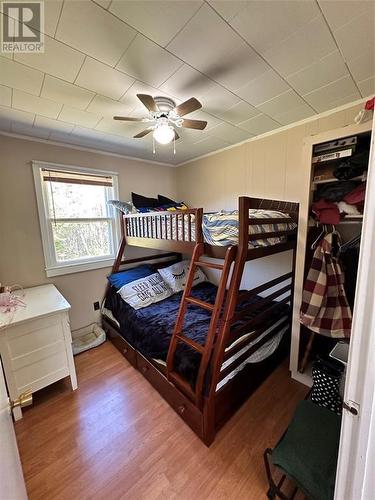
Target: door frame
pixel 355 479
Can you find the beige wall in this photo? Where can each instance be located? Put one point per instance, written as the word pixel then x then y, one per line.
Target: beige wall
pixel 268 167
pixel 21 254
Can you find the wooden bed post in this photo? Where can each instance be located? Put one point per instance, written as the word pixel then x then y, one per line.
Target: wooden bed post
pixel 209 420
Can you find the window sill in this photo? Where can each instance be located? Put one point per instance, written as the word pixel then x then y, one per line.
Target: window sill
pixel 79 267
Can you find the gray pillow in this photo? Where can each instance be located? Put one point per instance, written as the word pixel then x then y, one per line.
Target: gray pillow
pixel 126 207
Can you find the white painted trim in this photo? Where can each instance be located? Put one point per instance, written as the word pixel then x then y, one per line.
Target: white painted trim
pixel 83 148
pixel 78 268
pixel 280 129
pixel 355 478
pixel 57 269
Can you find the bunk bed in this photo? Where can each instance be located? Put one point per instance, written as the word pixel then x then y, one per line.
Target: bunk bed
pixel 206 349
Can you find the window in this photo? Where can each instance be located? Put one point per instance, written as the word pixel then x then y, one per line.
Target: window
pixel 79 229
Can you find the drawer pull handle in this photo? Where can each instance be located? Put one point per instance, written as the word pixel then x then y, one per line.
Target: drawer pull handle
pixel 144 369
pixel 125 351
pixel 181 409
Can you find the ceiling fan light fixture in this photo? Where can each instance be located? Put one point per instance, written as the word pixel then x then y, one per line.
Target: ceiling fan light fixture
pixel 164 133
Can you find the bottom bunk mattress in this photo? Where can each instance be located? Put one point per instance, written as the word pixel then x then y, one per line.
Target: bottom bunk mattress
pixel 149 329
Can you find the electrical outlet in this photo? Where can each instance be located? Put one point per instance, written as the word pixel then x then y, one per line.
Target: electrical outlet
pixel 96 306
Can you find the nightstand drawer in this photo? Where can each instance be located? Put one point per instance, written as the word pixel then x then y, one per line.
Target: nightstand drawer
pixel 35 335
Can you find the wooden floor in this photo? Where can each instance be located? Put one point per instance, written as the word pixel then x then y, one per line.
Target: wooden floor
pixel 115 438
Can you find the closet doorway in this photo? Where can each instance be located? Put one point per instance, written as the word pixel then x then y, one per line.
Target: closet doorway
pixel 356 459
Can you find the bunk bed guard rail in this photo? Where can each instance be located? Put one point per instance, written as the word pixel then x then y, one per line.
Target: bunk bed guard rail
pixel 177 230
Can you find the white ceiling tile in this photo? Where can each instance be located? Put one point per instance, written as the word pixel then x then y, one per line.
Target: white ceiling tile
pixel 210 45
pixel 357 36
pixel 259 124
pixel 20 77
pixel 78 117
pixel 229 133
pixel 16 115
pixel 187 82
pixel 237 68
pixel 5 96
pixel 158 20
pixel 295 114
pixel 266 24
pixel 323 98
pixel 218 100
pixel 308 44
pixel 282 103
pixel 102 79
pixel 338 12
pixel 367 87
pixel 263 88
pixel 94 31
pixel 66 93
pixel 239 113
pixel 318 74
pixel 53 125
pixel 228 9
pixel 363 66
pixel 103 3
pixel 58 60
pixel 33 104
pixel 207 145
pixel 147 62
pixel 52 10
pixel 104 106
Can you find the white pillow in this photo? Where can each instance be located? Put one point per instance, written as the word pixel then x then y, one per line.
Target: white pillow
pixel 145 291
pixel 176 275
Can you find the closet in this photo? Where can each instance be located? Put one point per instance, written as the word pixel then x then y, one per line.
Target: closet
pixel 331 208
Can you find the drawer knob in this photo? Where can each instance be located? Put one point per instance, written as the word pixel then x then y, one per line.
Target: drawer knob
pixel 181 409
pixel 144 368
pixel 125 351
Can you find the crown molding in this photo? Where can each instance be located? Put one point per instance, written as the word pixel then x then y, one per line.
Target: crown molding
pixel 83 148
pixel 278 130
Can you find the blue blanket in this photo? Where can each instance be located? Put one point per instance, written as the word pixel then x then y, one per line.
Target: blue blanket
pixel 149 330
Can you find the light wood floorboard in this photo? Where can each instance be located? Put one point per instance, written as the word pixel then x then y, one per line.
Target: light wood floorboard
pixel 116 438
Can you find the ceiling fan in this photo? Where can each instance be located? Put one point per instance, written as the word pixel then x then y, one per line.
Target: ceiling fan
pixel 165 116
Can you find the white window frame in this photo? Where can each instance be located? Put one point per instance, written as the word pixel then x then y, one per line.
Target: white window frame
pixel 54 268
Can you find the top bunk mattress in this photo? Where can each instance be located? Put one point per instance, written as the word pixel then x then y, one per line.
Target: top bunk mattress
pixel 222 228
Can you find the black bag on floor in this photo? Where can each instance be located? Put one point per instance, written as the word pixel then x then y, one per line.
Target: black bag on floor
pixel 326 374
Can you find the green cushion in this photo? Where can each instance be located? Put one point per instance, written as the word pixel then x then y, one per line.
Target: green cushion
pixel 308 451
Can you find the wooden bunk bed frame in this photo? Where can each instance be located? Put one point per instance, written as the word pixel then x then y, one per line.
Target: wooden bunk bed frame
pixel 204 408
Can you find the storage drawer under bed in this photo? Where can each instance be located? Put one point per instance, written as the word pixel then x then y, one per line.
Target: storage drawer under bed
pixel 118 341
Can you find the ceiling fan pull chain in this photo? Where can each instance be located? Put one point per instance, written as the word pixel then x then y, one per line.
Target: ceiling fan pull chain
pixel 153 145
pixel 174 144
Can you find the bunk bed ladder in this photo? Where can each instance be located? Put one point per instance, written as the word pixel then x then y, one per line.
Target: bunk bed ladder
pixel 216 310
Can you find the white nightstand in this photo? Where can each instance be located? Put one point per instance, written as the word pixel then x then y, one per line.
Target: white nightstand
pixel 35 346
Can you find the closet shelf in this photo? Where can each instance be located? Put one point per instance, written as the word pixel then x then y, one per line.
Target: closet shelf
pixel 327 181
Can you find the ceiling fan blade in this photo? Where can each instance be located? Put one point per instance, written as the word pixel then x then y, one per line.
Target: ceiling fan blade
pixel 143 133
pixel 148 101
pixel 196 124
pixel 188 106
pixel 129 119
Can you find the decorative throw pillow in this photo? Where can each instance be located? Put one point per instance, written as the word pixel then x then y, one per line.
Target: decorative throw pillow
pixel 140 201
pixel 125 206
pixel 176 275
pixel 145 291
pixel 124 277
